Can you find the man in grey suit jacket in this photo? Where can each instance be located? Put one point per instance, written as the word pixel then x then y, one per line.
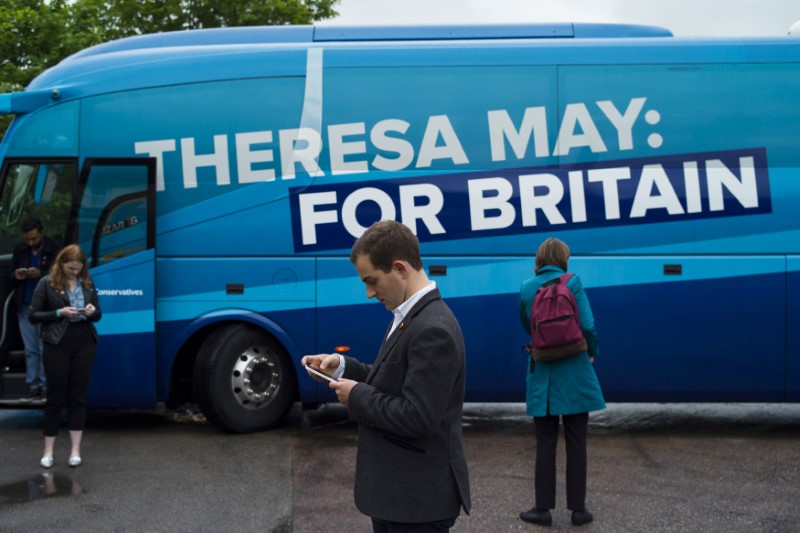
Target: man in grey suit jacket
pixel 411 473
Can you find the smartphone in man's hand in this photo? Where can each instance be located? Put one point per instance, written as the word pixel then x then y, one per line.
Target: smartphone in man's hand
pixel 318 373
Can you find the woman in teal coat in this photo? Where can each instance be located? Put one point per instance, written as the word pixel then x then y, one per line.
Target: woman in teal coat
pixel 566 388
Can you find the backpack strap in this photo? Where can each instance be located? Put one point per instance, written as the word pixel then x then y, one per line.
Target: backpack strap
pixel 563 279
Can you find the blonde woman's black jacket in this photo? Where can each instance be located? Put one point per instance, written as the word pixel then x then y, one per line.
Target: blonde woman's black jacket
pixel 47 300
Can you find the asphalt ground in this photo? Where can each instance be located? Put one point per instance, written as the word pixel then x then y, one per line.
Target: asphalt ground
pixel 652 467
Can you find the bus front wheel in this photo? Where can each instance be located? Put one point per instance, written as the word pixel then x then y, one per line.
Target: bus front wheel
pixel 243 379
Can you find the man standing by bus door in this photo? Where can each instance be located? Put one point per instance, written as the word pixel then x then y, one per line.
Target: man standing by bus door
pixel 411 473
pixel 30 261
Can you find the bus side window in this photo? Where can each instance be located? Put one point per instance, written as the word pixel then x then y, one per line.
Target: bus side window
pixel 113 216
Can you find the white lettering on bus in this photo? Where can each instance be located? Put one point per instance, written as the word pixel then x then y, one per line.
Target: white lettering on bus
pixel 339 148
pixel 429 150
pixel 247 156
pixel 744 190
pixel 156 149
pixel 312 218
pixel 654 191
pixel 493 204
pixel 303 146
pixel 610 177
pixel 490 211
pixel 577 130
pixel 410 210
pixel 356 198
pixel 217 159
pixel 387 143
pixel 350 146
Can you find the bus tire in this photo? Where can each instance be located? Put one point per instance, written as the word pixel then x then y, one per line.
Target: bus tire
pixel 243 379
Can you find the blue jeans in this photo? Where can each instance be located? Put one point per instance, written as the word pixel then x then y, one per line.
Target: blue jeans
pixel 34 365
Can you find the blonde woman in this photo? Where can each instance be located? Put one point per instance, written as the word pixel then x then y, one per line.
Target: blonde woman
pixel 65 303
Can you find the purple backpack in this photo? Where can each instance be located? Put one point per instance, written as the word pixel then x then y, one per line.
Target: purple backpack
pixel 555 325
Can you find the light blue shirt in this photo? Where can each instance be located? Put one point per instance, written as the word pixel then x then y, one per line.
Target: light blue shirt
pixel 76 300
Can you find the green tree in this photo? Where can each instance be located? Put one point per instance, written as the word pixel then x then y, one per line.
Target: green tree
pixel 30 40
pixel 37 34
pixel 96 21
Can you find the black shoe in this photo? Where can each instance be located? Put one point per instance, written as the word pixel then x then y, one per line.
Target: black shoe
pixel 581 518
pixel 34 394
pixel 42 398
pixel 537 516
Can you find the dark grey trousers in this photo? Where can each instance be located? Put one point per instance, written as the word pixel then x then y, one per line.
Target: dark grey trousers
pixel 546 441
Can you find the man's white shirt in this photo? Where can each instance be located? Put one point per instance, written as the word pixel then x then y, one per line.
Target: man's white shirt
pixel 399 315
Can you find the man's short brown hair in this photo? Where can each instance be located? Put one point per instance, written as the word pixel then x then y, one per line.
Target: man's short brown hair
pixel 386 242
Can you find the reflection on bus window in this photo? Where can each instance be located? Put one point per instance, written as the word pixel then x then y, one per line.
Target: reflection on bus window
pixel 42 190
pixel 112 219
pixel 124 232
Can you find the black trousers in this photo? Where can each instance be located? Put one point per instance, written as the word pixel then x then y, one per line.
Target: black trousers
pixel 546 439
pixel 383 526
pixel 68 367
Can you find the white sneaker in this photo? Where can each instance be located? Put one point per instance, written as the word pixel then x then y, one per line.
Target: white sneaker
pixel 75 460
pixel 46 462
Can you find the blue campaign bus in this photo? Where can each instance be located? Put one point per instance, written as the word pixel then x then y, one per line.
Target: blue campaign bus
pixel 218 179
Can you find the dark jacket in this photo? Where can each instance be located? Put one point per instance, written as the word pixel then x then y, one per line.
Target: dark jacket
pixel 47 300
pixel 410 464
pixel 21 258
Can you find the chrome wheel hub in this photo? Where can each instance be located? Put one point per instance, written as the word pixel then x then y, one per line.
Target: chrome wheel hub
pixel 255 378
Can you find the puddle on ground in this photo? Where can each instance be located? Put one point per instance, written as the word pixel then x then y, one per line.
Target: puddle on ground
pixel 44 485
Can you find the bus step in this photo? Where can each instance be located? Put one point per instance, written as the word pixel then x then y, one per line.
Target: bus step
pixel 13 387
pixel 14 362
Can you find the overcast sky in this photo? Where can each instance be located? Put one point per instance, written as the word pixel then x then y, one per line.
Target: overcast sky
pixel 683 17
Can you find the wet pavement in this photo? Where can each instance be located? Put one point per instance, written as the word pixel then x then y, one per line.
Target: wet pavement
pixel 44 485
pixel 652 467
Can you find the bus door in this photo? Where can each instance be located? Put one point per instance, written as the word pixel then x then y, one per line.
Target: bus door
pixel 38 188
pixel 113 219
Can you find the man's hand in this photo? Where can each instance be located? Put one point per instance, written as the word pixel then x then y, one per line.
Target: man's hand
pixel 324 362
pixel 342 389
